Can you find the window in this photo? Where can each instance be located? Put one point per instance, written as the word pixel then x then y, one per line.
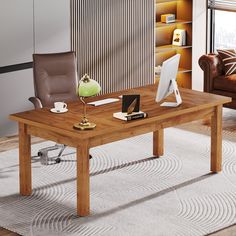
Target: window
pixel 225 29
pixel 222 24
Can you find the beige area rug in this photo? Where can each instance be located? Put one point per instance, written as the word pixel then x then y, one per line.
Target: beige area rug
pixel 132 193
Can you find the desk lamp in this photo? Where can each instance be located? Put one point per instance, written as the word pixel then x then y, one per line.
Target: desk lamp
pixel 87 88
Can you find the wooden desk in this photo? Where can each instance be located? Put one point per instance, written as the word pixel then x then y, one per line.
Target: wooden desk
pixel 59 128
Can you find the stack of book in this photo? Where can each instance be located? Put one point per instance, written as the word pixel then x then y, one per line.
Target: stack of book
pixel 128 117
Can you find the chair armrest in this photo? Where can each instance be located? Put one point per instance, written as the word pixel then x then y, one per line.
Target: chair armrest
pixel 36 101
pixel 212 67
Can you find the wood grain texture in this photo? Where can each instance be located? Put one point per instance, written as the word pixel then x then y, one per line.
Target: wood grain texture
pixel 53 136
pixel 62 124
pixel 83 197
pixel 216 140
pixel 5 232
pixel 158 143
pixel 25 160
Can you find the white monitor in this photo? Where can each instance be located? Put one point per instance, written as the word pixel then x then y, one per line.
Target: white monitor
pixel 167 83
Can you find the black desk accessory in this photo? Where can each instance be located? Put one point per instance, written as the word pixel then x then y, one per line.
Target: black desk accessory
pixel 130 103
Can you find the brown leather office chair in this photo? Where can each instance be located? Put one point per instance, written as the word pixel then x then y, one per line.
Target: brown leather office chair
pixel 55 79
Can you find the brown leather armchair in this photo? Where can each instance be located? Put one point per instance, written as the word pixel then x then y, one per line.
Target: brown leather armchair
pixel 55 79
pixel 215 80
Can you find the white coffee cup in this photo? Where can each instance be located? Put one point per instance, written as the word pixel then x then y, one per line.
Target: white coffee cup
pixel 59 106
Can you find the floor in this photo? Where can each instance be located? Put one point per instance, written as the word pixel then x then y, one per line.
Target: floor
pixel 229 124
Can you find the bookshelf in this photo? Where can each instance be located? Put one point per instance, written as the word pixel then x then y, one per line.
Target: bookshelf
pixel 164 34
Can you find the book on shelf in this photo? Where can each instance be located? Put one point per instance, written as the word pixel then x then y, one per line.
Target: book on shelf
pixel 127 117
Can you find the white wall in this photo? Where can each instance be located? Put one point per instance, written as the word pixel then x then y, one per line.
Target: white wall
pixel 16 27
pixel 199 42
pixel 15 89
pixel 25 30
pixel 52 25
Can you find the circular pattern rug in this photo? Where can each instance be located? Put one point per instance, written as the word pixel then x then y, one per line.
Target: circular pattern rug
pixel 132 193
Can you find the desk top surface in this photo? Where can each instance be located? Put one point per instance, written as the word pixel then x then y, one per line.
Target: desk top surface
pixel 193 101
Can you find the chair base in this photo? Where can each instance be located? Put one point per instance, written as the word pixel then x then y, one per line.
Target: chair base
pixel 44 154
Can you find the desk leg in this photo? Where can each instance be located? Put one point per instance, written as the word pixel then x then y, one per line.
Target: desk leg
pixel 25 160
pixel 83 180
pixel 158 143
pixel 216 140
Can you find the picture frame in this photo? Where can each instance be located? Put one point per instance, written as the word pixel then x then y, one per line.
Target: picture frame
pixel 127 101
pixel 179 37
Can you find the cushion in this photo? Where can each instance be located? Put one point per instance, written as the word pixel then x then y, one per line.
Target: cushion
pixel 228 57
pixel 225 83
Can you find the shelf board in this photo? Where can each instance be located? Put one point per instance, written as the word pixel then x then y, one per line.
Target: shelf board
pixel 170 47
pixel 160 24
pixel 163 1
pixel 183 70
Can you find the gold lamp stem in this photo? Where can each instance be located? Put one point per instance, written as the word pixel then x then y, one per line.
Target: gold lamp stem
pixel 84 123
pixel 85 119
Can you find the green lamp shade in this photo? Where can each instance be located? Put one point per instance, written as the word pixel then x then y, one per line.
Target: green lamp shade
pixel 88 88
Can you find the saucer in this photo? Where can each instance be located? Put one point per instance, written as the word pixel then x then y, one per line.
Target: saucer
pixel 59 111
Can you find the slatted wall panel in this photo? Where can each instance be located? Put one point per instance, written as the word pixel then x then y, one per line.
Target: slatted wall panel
pixel 114 41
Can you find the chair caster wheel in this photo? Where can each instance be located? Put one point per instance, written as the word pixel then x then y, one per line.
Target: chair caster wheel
pixel 58 160
pixel 40 154
pixel 90 157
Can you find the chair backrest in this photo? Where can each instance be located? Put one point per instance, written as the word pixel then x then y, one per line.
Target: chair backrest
pixel 55 77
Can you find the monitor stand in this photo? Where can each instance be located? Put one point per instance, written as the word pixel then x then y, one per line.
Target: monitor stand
pixel 174 88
